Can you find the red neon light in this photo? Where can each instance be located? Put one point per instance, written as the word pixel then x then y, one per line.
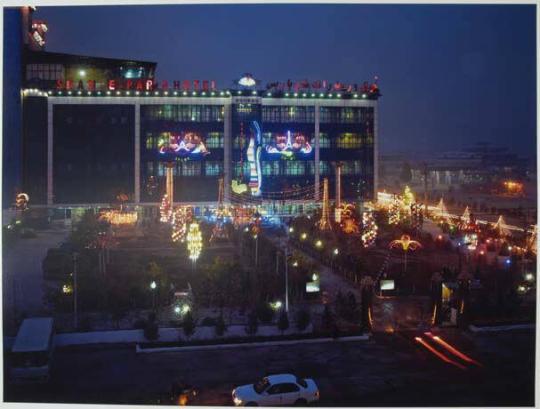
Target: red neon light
pixel 438 354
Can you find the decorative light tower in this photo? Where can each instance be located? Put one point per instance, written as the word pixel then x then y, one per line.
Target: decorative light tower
pixel 194 242
pixel 369 229
pixel 337 211
pixel 324 223
pixel 219 232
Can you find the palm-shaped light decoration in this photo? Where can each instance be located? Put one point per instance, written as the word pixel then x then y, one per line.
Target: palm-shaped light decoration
pixel 405 243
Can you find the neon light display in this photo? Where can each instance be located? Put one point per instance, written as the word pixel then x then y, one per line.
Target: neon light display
pixel 288 145
pixel 184 144
pixel 254 158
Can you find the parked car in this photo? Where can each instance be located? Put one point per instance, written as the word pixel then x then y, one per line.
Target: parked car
pixel 273 390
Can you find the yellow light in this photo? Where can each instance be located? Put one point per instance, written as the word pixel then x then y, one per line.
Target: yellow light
pixel 318 243
pixel 194 241
pixel 303 236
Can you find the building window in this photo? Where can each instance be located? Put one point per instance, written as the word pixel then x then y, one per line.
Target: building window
pixel 295 168
pixel 324 167
pixel 270 168
pixel 241 171
pixel 324 140
pixel 213 168
pixel 214 140
pixel 349 140
pixel 45 72
pixel 191 168
pixel 183 113
pixel 292 113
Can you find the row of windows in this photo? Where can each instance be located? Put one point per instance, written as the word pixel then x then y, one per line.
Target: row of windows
pixel 299 168
pixel 187 168
pixel 338 115
pixel 279 114
pixel 213 140
pixel 346 140
pixel 45 71
pixel 183 113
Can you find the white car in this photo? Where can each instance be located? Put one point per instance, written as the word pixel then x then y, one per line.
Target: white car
pixel 276 390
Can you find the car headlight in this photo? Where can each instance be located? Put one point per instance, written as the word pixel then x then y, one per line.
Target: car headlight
pixel 237 401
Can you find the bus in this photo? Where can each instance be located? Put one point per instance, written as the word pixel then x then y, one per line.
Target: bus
pixel 32 350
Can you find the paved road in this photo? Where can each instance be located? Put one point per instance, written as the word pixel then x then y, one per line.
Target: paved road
pixel 22 275
pixel 387 370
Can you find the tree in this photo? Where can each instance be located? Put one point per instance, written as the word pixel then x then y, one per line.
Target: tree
pixel 220 327
pixel 265 313
pixel 302 320
pixel 283 322
pixel 188 325
pixel 252 324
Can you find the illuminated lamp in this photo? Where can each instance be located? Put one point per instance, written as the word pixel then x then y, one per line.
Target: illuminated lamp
pixel 166 93
pixel 108 92
pixel 318 243
pixel 212 93
pixel 304 95
pixel 117 92
pixel 268 94
pixel 69 92
pixel 321 94
pixel 296 94
pixel 79 93
pixel 147 93
pixel 59 92
pixel 175 93
pixel 184 93
pixel 156 93
pixel 194 241
pixel 228 92
pixel 194 93
pixel 364 95
pixel 339 95
pixel 247 81
pixel 239 92
pixel 312 95
pixel 254 93
pixel 89 93
pixel 330 95
pixel 203 93
pixel 221 93
pixel 286 94
pixel 355 95
pixel 127 92
pixel 82 73
pixel 336 251
pixel 50 92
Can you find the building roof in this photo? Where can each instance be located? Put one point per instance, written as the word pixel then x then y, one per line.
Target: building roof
pixel 33 335
pixel 53 57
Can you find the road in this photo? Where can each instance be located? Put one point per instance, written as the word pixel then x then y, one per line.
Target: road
pixel 390 369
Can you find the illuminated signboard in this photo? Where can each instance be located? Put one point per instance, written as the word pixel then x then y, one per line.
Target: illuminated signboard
pixel 289 144
pixel 247 80
pixel 387 285
pixel 184 144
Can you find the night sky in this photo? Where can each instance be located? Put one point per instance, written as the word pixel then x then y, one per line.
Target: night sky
pixel 450 75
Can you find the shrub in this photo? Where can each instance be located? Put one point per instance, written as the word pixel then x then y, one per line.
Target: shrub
pixel 139 324
pixel 252 324
pixel 283 322
pixel 220 326
pixel 265 313
pixel 302 320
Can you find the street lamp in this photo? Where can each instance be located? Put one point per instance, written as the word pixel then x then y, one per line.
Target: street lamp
pixel 153 287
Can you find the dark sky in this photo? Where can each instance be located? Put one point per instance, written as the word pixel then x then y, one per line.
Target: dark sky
pixel 450 75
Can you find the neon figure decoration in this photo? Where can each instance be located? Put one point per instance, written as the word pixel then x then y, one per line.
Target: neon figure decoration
pixel 182 145
pixel 254 158
pixel 288 145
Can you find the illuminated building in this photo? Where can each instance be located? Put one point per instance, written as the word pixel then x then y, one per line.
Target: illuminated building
pixel 94 127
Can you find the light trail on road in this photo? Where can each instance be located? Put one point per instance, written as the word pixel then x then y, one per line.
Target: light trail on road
pixel 438 354
pixel 451 349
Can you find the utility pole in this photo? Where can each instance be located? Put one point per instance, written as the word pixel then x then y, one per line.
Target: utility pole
pixel 75 317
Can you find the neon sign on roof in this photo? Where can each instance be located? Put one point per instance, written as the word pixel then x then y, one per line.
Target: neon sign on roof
pixel 185 144
pixel 289 144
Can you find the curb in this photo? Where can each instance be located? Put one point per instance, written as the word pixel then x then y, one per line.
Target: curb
pixel 140 350
pixel 474 328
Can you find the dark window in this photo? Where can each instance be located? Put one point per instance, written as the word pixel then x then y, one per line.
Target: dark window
pixel 289 388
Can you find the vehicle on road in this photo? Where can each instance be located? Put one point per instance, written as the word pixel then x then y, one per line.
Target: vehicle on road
pixel 275 390
pixel 31 354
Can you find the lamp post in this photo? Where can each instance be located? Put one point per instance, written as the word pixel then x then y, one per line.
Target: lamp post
pixel 153 287
pixel 75 292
